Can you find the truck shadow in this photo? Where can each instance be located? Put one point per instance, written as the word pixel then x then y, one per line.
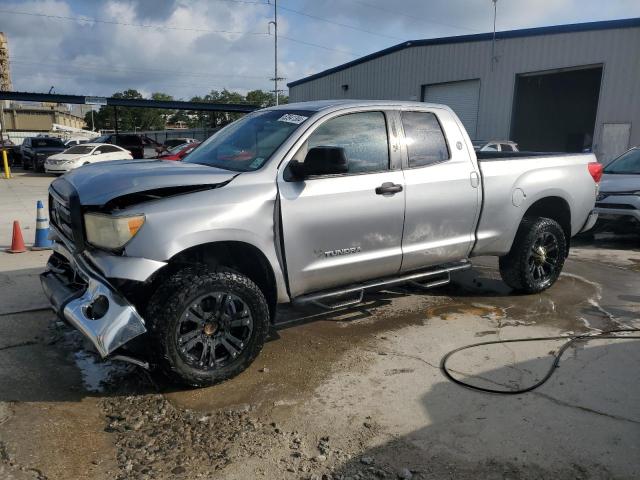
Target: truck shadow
pixel 583 423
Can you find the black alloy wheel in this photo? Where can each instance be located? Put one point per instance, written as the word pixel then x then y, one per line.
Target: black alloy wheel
pixel 214 330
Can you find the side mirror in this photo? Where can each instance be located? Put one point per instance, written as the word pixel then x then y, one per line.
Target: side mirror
pixel 321 161
pixel 97 152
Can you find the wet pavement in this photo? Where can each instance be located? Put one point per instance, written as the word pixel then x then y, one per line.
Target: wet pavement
pixel 351 394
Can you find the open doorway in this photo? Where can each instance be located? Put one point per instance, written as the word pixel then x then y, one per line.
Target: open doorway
pixel 556 110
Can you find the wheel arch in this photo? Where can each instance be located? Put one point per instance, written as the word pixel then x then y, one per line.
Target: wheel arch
pixel 553 207
pixel 243 257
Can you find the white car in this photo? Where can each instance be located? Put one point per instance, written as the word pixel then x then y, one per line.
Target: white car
pixel 84 154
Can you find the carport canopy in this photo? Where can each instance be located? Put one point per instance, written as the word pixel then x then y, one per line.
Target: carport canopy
pixel 127 102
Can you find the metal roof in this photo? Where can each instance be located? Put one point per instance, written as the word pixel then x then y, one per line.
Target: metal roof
pixel 480 37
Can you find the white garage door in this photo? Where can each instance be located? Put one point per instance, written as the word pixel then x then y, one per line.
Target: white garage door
pixel 462 97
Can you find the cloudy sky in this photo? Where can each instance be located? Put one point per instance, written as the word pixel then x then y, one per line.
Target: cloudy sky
pixel 189 47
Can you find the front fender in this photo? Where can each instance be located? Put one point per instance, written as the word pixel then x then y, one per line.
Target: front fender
pixel 234 213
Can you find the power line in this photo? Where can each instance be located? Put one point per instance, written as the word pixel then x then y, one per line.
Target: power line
pixel 413 17
pixel 168 27
pixel 139 25
pixel 353 54
pixel 352 27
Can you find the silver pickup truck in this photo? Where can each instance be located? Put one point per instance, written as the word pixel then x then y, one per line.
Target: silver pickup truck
pixel 186 262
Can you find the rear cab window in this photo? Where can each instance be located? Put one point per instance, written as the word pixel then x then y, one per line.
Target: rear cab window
pixel 424 138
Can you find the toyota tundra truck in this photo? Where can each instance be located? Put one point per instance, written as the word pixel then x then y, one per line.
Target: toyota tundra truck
pixel 182 265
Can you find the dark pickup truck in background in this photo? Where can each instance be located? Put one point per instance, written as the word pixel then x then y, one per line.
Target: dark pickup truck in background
pixel 35 150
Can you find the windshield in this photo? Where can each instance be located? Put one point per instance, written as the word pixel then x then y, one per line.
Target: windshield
pixel 627 163
pixel 247 144
pixel 177 148
pixel 46 142
pixel 79 149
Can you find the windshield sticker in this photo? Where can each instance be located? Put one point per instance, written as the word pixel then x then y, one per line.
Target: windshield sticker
pixel 291 118
pixel 256 163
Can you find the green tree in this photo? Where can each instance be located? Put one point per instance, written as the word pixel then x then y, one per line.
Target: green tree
pixel 131 119
pixel 261 98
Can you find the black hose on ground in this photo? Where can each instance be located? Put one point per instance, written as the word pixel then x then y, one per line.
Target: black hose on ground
pixel 571 340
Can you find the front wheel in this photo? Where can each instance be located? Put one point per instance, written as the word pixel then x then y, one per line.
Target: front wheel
pixel 536 257
pixel 207 327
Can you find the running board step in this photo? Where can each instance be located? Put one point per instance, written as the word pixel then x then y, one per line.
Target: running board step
pixel 357 290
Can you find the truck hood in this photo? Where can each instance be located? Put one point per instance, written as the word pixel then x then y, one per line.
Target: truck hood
pixel 99 183
pixel 619 183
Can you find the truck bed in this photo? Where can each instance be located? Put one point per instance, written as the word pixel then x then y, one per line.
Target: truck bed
pixel 514 181
pixel 489 156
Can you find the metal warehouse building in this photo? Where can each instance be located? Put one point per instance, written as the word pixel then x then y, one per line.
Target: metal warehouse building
pixel 559 88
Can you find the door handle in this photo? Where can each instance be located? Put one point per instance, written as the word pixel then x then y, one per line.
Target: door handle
pixel 388 188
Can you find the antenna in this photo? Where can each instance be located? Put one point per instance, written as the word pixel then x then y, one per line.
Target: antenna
pixel 274 22
pixel 493 42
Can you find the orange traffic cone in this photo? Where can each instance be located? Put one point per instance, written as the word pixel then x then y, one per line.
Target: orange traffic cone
pixel 17 242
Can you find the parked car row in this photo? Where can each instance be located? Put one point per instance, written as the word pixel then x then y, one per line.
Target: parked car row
pixel 34 152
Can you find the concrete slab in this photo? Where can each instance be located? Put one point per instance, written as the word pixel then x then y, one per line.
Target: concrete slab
pixel 19 281
pixel 18 198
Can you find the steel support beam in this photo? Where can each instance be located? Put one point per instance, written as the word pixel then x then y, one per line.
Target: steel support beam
pixel 129 102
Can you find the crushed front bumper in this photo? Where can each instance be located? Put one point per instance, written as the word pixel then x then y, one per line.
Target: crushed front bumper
pixel 83 298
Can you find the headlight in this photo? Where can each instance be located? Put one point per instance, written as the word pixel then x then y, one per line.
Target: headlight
pixel 111 232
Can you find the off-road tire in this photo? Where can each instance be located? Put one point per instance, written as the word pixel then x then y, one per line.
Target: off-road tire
pixel 175 295
pixel 515 267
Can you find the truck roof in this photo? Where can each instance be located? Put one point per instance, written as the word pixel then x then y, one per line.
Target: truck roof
pixel 317 105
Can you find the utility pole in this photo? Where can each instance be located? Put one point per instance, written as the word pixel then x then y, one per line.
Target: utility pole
pixel 493 42
pixel 275 78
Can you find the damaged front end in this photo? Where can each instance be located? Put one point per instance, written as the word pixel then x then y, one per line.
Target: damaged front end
pixel 82 279
pixel 83 298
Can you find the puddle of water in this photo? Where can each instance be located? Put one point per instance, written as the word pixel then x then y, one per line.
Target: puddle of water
pixel 572 304
pixel 95 372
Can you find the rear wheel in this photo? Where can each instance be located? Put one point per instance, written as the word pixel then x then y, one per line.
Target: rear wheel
pixel 207 327
pixel 536 257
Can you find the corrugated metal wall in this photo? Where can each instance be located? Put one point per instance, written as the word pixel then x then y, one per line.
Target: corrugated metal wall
pixel 402 74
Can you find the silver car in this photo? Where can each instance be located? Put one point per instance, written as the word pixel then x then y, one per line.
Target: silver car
pixel 495 146
pixel 619 196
